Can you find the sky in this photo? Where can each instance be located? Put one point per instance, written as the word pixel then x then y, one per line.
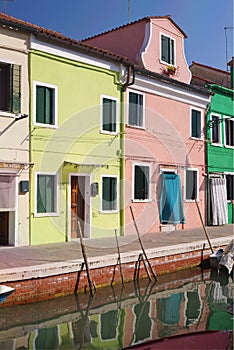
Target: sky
pixel 203 21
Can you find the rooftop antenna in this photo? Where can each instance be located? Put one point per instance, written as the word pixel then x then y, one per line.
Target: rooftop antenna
pixel 226 41
pixel 128 11
pixel 5 4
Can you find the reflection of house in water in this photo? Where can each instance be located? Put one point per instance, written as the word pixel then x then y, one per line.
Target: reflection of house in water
pixel 116 320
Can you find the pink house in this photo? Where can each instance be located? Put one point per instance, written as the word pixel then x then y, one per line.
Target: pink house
pixel 164 138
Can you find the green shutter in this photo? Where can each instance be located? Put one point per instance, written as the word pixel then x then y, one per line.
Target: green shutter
pixel 135 116
pixel 141 186
pixel 16 88
pixel 109 193
pixel 172 53
pixel 109 115
pixel 41 190
pixel 196 124
pixel 165 45
pixel 40 104
pixel 45 194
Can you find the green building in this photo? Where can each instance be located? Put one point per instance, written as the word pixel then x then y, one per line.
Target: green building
pixel 219 143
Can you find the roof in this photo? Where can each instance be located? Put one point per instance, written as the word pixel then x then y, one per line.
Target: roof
pixel 203 74
pixel 145 19
pixel 45 33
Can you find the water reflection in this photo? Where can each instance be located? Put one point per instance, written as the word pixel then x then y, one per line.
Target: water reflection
pixel 182 302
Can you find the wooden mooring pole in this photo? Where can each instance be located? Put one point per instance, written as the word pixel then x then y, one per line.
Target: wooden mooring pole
pixel 142 247
pixel 92 288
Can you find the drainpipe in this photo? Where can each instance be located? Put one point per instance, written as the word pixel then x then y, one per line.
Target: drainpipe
pixel 129 81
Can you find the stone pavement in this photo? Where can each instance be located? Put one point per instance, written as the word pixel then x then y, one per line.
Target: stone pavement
pixel 61 254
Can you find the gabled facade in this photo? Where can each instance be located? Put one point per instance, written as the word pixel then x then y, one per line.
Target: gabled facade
pixel 14 136
pixel 220 143
pixel 154 43
pixel 164 148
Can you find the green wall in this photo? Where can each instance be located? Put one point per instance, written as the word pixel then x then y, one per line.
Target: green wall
pixel 220 158
pixel 77 139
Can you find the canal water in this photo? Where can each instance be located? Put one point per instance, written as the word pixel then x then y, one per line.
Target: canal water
pixel 182 302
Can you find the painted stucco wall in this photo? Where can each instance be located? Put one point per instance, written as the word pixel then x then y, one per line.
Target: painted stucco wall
pixel 77 140
pixel 140 42
pixel 151 53
pixel 221 106
pixel 164 143
pixel 14 138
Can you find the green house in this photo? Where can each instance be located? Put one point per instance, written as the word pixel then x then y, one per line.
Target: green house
pixel 219 143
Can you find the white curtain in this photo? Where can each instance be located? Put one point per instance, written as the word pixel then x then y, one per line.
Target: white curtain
pixel 219 201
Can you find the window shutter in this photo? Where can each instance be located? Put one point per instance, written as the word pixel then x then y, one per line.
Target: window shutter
pixel 165 44
pixel 196 124
pixel 141 190
pixel 172 58
pixel 41 189
pixel 106 193
pixel 15 88
pixel 132 109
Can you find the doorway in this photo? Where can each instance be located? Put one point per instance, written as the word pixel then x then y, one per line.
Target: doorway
pixel 79 206
pixel 4 225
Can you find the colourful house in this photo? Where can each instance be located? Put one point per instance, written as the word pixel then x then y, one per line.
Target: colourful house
pixel 164 145
pixel 14 135
pixel 220 142
pixel 75 136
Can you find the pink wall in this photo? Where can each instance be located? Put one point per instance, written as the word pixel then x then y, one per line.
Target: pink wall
pixel 164 143
pixel 125 41
pixel 151 55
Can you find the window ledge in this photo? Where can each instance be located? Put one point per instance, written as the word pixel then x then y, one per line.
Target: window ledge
pixel 135 127
pixel 39 215
pixel 48 126
pixel 142 200
pixel 109 211
pixel 196 138
pixel 9 114
pixel 216 144
pixel 111 133
pixel 227 146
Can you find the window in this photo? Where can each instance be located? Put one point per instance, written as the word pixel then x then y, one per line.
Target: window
pixel 141 182
pixel 109 115
pixel 191 184
pixel 109 193
pixel 45 104
pixel 135 109
pixel 230 186
pixel 229 132
pixel 195 123
pixel 10 87
pixel 167 50
pixel 216 129
pixel 46 193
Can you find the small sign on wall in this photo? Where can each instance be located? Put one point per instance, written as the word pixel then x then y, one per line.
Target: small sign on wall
pixel 94 189
pixel 24 186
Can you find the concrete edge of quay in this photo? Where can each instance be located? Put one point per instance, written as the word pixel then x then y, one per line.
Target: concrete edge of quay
pixel 100 262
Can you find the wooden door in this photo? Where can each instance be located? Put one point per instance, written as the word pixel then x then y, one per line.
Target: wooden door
pixel 77 205
pixel 4 225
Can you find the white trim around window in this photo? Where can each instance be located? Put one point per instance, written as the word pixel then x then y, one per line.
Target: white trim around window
pixel 174 53
pixel 225 137
pixel 201 123
pixel 149 196
pixel 36 84
pixel 111 98
pixel 185 186
pixel 135 125
pixel 116 208
pixel 56 204
pixel 216 124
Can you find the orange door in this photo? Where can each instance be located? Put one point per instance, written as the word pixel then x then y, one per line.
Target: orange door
pixel 77 205
pixel 4 224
